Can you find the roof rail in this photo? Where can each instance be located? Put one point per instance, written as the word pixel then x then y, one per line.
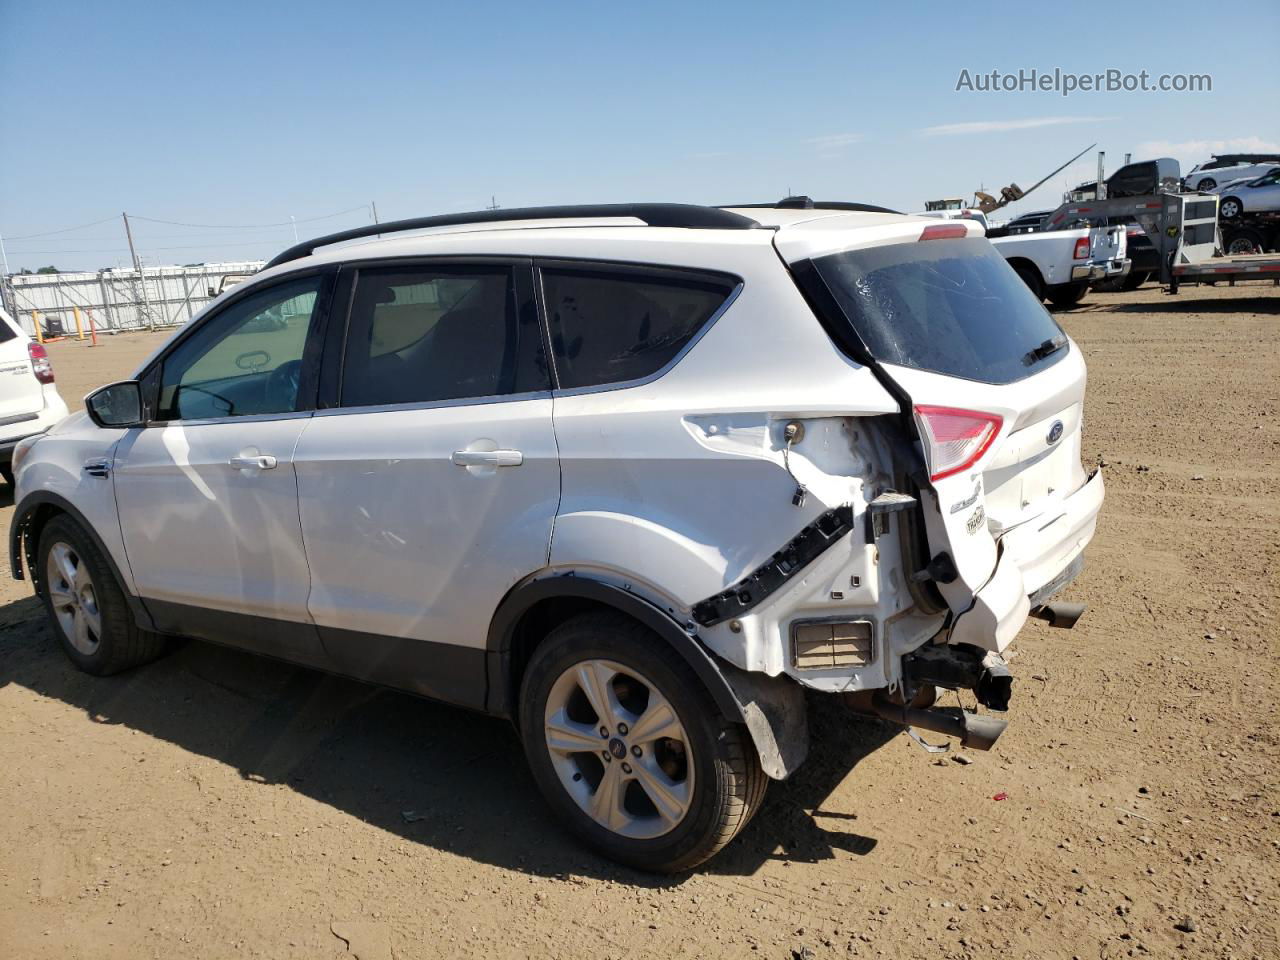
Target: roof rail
pixel 652 214
pixel 808 203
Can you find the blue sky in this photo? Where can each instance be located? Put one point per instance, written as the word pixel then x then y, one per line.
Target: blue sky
pixel 248 114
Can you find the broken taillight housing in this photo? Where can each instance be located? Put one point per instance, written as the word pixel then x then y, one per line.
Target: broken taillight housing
pixel 40 363
pixel 955 439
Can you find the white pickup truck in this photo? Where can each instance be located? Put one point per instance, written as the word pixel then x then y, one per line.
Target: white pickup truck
pixel 1059 266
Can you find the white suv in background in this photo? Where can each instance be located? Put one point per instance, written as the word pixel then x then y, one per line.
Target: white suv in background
pixel 29 402
pixel 633 476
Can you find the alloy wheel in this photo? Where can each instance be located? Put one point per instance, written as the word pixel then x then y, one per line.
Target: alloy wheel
pixel 619 749
pixel 73 598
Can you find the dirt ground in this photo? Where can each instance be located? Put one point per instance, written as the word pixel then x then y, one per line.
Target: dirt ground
pixel 217 805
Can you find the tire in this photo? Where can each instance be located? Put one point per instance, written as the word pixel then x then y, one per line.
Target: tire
pixel 1230 208
pixel 713 782
pixel 1134 280
pixel 1208 183
pixel 1244 241
pixel 1067 294
pixel 1031 277
pixel 86 605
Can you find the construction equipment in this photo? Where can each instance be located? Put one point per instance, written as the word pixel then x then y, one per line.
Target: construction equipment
pixel 987 203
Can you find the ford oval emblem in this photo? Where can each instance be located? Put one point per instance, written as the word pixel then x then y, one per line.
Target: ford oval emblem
pixel 1055 432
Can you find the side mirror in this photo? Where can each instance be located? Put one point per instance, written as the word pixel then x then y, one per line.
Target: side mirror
pixel 212 293
pixel 117 405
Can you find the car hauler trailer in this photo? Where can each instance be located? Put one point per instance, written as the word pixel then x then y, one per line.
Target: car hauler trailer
pixel 1183 227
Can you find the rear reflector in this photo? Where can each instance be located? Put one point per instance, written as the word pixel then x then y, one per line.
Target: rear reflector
pixel 40 364
pixel 1082 248
pixel 954 439
pixel 945 231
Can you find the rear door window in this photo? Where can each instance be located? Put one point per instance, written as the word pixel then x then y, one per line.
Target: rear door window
pixel 421 334
pixel 617 324
pixel 948 306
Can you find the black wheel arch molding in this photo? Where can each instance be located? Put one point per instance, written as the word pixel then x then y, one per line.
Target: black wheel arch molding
pixel 771 708
pixel 503 642
pixel 23 545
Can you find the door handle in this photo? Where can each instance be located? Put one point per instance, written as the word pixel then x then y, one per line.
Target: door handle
pixel 97 467
pixel 488 458
pixel 253 463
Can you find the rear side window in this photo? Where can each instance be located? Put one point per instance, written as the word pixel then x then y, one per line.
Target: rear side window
pixel 948 306
pixel 613 325
pixel 430 333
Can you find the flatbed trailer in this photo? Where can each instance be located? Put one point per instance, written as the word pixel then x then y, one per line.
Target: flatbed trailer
pixel 1184 229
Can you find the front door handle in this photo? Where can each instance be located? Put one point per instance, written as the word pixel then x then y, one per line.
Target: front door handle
pixel 253 463
pixel 488 458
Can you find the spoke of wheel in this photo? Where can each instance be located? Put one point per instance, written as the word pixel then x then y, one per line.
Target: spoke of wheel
pixel 66 566
pixel 658 721
pixel 61 599
pixel 93 621
pixel 594 679
pixel 83 641
pixel 670 799
pixel 606 802
pixel 566 736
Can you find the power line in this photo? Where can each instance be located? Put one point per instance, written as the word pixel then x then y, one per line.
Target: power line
pixel 49 233
pixel 247 226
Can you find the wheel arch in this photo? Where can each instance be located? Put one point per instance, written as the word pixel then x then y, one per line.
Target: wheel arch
pixel 531 609
pixel 31 516
pixel 1025 263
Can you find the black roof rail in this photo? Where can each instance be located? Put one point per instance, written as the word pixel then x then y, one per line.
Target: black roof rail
pixel 652 214
pixel 808 203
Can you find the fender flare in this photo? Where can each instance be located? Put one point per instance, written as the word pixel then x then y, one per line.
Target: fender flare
pixel 18 538
pixel 571 585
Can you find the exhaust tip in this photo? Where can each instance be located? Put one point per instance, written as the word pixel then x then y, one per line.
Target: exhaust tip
pixel 1060 615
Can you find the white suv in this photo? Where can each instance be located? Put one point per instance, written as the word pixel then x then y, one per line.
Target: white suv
pixel 29 401
pixel 635 477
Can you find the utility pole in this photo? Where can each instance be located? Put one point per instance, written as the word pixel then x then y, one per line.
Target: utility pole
pixel 142 280
pixel 9 303
pixel 493 203
pixel 373 205
pixel 1100 192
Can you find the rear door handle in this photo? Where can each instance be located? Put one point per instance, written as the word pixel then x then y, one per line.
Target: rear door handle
pixel 488 458
pixel 253 463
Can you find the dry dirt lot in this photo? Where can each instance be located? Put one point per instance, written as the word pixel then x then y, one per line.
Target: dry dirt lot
pixel 217 805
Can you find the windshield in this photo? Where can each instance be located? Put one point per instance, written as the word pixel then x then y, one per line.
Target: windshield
pixel 949 306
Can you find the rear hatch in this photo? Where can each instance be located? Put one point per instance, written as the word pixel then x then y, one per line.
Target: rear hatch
pixel 20 392
pixel 997 391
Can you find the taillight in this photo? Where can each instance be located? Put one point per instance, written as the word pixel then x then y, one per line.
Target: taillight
pixel 40 363
pixel 945 231
pixel 955 439
pixel 1082 248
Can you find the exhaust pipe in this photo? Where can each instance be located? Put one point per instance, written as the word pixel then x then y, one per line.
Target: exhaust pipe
pixel 978 732
pixel 1061 615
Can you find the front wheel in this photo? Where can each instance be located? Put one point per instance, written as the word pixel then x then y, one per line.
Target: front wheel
pixel 629 749
pixel 1230 208
pixel 86 605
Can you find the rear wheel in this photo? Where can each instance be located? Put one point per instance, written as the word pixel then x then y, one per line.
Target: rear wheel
pixel 1133 281
pixel 1208 183
pixel 1230 208
pixel 1031 277
pixel 629 749
pixel 1067 294
pixel 1244 241
pixel 86 606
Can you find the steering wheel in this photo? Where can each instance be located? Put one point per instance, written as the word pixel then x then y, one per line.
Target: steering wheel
pixel 282 386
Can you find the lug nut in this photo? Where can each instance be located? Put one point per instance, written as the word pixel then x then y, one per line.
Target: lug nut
pixel 622 729
pixel 626 768
pixel 604 732
pixel 608 757
pixel 635 751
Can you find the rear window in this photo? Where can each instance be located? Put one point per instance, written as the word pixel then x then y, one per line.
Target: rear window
pixel 610 325
pixel 948 306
